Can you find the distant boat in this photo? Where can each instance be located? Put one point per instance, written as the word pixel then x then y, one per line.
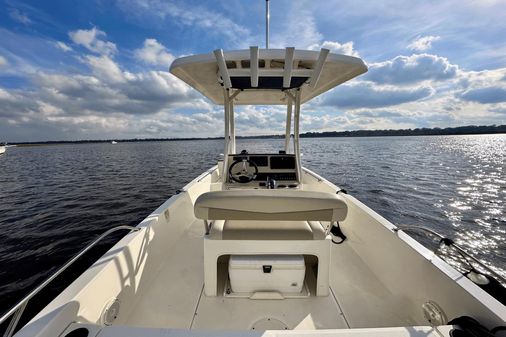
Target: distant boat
pixel 3 148
pixel 114 142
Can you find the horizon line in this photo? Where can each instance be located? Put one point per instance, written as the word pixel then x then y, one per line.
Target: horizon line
pixel 459 130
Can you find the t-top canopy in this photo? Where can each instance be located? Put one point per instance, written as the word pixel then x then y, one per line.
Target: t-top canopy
pixel 264 74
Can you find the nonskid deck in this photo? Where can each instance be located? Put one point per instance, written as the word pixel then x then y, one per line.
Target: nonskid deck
pixel 175 298
pixel 378 278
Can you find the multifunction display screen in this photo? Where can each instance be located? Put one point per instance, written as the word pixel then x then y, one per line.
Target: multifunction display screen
pixel 282 162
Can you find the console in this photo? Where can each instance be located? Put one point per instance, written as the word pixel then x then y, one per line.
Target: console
pixel 280 167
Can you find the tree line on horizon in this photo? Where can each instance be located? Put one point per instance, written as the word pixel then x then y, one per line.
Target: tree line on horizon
pixel 461 130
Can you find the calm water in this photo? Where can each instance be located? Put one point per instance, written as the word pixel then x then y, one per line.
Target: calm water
pixel 56 199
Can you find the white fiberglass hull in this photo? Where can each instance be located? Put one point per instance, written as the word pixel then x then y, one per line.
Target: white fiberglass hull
pixel 379 281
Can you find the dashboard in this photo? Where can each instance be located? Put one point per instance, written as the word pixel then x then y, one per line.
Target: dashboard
pixel 280 167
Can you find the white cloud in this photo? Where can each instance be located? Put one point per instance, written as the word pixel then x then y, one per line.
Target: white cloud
pixel 423 43
pixel 19 16
pixel 466 97
pixel 5 95
pixel 370 95
pixel 486 95
pixel 112 91
pixel 153 52
pixel 411 69
pixel 484 87
pixel 63 46
pixel 336 47
pixel 3 61
pixel 481 79
pixel 143 104
pixel 105 68
pixel 14 105
pixel 122 104
pixel 92 40
pixel 110 99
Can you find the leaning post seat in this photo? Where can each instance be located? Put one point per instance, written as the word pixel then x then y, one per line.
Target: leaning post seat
pixel 270 205
pixel 268 222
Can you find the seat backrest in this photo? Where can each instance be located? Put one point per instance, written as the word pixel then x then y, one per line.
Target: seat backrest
pixel 270 205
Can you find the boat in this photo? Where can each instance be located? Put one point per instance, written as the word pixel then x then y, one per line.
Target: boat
pixel 3 148
pixel 114 142
pixel 258 245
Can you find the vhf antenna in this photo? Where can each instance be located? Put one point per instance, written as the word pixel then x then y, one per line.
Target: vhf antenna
pixel 267 16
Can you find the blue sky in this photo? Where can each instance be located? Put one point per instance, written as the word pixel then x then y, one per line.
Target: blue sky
pixel 99 69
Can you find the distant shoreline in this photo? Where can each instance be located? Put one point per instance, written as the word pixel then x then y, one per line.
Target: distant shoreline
pixel 461 130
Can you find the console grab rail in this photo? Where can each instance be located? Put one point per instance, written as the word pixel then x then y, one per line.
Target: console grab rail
pixel 17 310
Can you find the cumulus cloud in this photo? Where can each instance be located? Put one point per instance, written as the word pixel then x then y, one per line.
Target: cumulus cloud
pixel 13 103
pixel 105 68
pixel 481 79
pixel 482 90
pixel 155 53
pixel 355 120
pixel 159 87
pixel 487 95
pixel 377 113
pixel 63 46
pixel 423 43
pixel 368 95
pixel 412 69
pixel 112 90
pixel 19 16
pixel 109 99
pixel 252 119
pixel 92 39
pixel 5 95
pixel 336 47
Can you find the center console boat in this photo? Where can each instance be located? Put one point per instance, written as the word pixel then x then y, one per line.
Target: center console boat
pixel 259 245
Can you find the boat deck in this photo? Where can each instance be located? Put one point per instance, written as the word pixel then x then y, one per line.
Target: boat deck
pixel 175 297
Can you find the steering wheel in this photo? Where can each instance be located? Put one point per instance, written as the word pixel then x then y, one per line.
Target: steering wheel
pixel 243 171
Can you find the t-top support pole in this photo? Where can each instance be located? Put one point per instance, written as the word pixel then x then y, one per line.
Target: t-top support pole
pixel 232 120
pixel 232 126
pixel 296 127
pixel 288 130
pixel 226 104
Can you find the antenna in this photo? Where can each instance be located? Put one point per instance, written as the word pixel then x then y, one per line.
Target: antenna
pixel 267 16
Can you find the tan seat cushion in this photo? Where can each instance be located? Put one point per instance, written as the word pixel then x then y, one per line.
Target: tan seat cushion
pixel 270 205
pixel 267 230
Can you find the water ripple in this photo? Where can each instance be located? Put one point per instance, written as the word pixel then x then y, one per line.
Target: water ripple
pixel 55 199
